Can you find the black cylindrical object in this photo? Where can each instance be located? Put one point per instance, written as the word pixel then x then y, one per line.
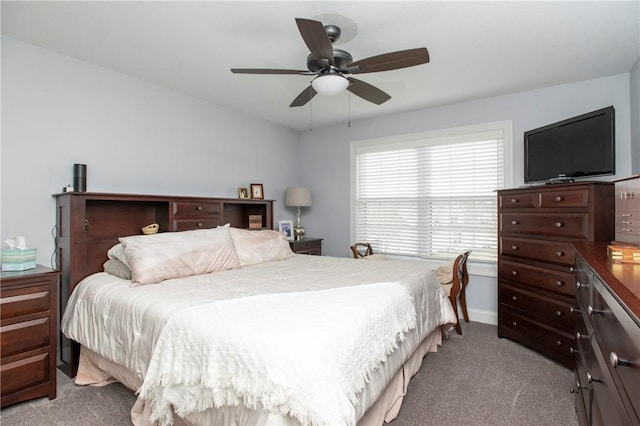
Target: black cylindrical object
pixel 80 177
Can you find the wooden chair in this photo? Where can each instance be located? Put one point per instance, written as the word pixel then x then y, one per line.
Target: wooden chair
pixel 458 289
pixel 361 250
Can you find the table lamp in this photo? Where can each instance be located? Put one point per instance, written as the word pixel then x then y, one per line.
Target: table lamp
pixel 298 197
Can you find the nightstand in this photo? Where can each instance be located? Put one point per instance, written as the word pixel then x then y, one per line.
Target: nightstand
pixel 307 246
pixel 28 334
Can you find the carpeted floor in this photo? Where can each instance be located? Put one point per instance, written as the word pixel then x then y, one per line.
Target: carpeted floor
pixel 475 379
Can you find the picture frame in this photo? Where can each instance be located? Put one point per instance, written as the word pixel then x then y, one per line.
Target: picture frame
pixel 257 192
pixel 243 193
pixel 286 227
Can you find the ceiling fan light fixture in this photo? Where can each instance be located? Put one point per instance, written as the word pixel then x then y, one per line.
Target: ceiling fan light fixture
pixel 330 84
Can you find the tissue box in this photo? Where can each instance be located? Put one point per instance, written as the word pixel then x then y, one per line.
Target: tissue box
pixel 18 260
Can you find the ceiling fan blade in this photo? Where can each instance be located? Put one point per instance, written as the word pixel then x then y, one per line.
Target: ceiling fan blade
pixel 367 92
pixel 317 40
pixel 305 96
pixel 269 71
pixel 390 61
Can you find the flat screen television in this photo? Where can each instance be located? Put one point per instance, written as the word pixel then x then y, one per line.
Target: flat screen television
pixel 579 147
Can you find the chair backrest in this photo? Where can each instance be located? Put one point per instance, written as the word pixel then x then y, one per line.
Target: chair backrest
pixel 460 274
pixel 361 250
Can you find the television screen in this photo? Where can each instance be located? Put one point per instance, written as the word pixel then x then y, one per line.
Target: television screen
pixel 578 147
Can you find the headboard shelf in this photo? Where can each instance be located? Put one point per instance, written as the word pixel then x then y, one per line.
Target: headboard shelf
pixel 89 223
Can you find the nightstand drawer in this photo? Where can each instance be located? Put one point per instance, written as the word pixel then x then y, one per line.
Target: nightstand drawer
pixel 24 374
pixel 16 302
pixel 25 336
pixel 307 246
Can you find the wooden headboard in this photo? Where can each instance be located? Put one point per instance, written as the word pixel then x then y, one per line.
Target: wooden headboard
pixel 89 224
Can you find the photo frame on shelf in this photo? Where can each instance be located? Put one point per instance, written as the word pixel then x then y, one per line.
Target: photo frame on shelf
pixel 257 192
pixel 286 227
pixel 243 193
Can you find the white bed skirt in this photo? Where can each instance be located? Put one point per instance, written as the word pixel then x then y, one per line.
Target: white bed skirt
pixel 97 371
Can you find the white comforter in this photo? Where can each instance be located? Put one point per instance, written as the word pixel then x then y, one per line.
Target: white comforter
pixel 146 329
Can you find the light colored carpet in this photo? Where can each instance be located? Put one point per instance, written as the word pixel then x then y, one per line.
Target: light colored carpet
pixel 475 379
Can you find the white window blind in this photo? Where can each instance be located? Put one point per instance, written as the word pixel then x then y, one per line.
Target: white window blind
pixel 430 197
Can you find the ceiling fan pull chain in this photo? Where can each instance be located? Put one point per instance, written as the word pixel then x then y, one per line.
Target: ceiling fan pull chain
pixel 310 104
pixel 349 116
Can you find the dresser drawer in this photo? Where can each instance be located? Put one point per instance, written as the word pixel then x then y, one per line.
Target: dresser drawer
pixel 542 278
pixel 196 209
pixel 191 224
pixel 628 234
pixel 17 302
pixel 519 200
pixel 564 199
pixel 24 374
pixel 552 342
pixel 619 340
pixel 608 408
pixel 545 251
pixel 567 225
pixel 24 336
pixel 545 308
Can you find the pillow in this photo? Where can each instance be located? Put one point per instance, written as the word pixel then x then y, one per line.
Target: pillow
pixel 117 268
pixel 117 252
pixel 445 272
pixel 255 247
pixel 158 257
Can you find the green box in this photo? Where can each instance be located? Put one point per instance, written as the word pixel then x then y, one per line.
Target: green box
pixel 18 260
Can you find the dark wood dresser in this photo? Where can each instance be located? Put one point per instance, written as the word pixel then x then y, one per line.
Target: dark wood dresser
pixel 607 357
pixel 88 224
pixel 28 334
pixel 536 284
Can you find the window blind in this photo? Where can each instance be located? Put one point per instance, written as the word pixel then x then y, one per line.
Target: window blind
pixel 430 197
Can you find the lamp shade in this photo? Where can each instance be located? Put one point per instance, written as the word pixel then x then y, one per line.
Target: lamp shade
pixel 297 196
pixel 330 84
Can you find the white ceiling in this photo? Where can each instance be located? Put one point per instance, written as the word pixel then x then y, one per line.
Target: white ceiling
pixel 478 49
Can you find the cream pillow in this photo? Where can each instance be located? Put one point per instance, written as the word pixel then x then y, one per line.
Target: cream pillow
pixel 117 252
pixel 158 257
pixel 255 247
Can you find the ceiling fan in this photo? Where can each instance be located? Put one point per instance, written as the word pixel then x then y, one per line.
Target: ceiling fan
pixel 333 67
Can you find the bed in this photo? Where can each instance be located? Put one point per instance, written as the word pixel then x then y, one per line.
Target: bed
pixel 227 326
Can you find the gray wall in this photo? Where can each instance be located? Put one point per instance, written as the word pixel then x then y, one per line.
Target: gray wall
pixel 137 137
pixel 324 154
pixel 134 136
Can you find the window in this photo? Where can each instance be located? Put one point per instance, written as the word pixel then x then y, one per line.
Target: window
pixel 431 195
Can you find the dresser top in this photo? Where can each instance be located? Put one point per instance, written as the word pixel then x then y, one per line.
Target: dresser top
pixel 623 279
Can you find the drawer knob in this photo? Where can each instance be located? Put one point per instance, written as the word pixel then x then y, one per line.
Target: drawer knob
pixel 514 297
pixel 558 313
pixel 558 342
pixel 591 311
pixel 514 247
pixel 559 283
pixel 558 198
pixel 615 360
pixel 573 351
pixel 514 222
pixel 514 200
pixel 513 323
pixel 200 225
pixel 514 273
pixel 559 253
pixel 559 224
pixel 199 208
pixel 574 310
pixel 581 336
pixel 580 285
pixel 591 379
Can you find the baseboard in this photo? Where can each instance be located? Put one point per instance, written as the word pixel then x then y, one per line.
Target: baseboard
pixel 485 317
